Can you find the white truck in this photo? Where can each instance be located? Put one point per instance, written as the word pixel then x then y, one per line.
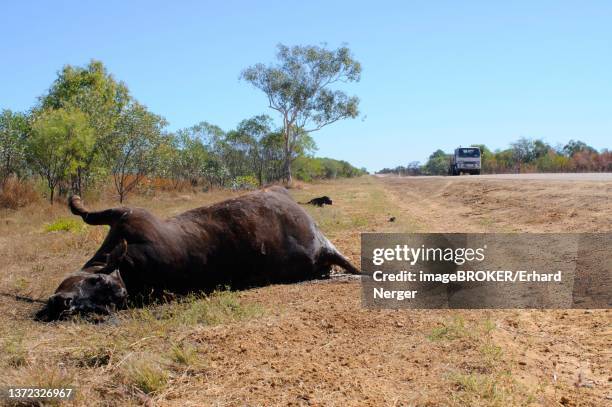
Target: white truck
pixel 465 160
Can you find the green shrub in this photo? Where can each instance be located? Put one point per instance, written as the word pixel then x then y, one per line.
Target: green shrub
pixel 247 182
pixel 66 225
pixel 450 330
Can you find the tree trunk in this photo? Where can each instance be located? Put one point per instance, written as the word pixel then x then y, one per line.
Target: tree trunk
pixel 51 193
pixel 288 148
pixel 79 181
pixel 287 171
pixel 121 189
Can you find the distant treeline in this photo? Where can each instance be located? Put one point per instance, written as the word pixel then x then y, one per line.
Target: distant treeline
pixel 87 129
pixel 311 168
pixel 524 155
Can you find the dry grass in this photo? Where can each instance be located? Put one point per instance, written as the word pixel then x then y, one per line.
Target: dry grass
pixel 16 194
pixel 183 354
pixel 450 330
pixel 14 351
pixel 146 374
pixel 221 307
pixel 40 244
pixel 294 344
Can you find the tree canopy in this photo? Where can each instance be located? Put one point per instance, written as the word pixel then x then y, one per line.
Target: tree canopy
pixel 524 155
pixel 14 128
pixel 298 87
pixel 60 142
pixel 87 129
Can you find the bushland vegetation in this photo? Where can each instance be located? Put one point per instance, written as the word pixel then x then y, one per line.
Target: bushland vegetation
pixel 523 155
pixel 88 132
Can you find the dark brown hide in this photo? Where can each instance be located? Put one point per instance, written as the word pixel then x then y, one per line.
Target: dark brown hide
pixel 85 292
pixel 321 201
pixel 257 239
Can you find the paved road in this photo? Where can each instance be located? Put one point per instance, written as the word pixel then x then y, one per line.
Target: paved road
pixel 591 176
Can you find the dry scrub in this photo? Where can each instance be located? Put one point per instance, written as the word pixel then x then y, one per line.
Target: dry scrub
pixel 312 343
pixel 16 193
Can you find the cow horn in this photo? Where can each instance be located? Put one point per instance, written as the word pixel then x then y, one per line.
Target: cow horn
pixel 117 275
pixel 105 217
pixel 116 256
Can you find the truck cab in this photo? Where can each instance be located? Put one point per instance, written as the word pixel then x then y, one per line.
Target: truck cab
pixel 465 160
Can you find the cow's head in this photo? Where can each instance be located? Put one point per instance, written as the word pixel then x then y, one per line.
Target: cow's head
pixel 95 289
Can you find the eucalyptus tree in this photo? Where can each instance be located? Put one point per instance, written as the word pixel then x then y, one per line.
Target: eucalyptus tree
pixel 251 133
pixel 299 88
pixel 102 98
pixel 132 151
pixel 437 164
pixel 193 156
pixel 235 150
pixel 272 154
pixel 576 146
pixel 60 142
pixel 13 134
pixel 198 156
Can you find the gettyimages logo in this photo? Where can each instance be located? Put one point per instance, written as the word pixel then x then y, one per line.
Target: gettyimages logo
pixel 413 255
pixel 461 270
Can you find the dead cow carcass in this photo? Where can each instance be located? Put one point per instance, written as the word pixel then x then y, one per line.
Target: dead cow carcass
pixel 257 239
pixel 320 201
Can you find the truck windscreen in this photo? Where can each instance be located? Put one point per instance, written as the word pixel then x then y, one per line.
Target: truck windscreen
pixel 469 152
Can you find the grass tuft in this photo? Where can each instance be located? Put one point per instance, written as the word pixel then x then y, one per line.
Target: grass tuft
pixel 39 376
pixel 488 326
pixel 15 354
pixel 451 330
pixel 217 308
pixel 182 354
pixel 492 353
pixel 65 225
pixel 476 388
pixel 95 357
pixel 146 375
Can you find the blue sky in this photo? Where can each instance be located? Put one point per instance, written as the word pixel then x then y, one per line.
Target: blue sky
pixel 436 74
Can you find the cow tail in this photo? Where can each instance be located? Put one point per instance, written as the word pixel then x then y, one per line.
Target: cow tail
pixel 105 217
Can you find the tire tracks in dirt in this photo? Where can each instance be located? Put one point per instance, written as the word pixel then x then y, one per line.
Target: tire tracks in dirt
pixel 565 352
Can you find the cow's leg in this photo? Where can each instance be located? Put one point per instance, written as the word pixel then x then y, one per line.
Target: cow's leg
pixel 329 256
pixel 109 243
pixel 340 260
pixel 306 268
